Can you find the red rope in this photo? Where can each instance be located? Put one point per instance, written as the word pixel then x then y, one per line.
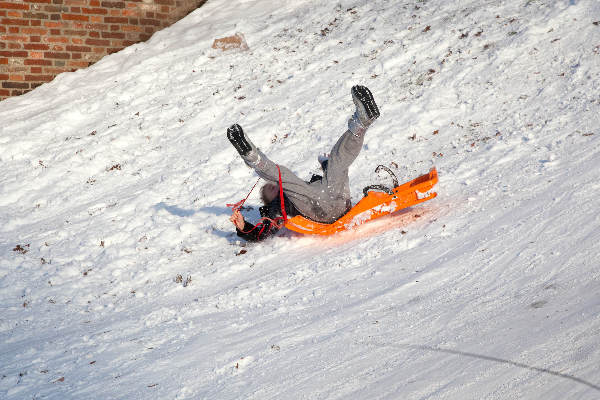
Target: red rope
pixel 236 206
pixel 281 197
pixel 239 204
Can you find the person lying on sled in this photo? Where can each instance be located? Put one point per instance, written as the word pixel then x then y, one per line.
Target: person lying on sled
pixel 325 198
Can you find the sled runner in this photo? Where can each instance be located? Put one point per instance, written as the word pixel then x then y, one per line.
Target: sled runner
pixel 378 201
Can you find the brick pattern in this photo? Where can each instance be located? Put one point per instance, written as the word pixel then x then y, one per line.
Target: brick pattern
pixel 40 39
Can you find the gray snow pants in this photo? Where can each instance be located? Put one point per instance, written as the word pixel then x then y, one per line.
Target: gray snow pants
pixel 325 200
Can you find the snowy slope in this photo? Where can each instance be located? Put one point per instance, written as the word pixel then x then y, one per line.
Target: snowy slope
pixel 114 182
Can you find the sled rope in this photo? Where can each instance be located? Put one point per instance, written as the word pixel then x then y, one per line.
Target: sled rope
pixel 279 222
pixel 285 218
pixel 236 206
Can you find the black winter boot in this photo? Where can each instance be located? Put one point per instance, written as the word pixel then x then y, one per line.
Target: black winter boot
pixel 236 136
pixel 366 109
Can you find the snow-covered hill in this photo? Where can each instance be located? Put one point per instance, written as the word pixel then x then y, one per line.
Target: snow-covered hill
pixel 120 275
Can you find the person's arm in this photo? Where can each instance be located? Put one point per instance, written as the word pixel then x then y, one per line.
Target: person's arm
pixel 252 233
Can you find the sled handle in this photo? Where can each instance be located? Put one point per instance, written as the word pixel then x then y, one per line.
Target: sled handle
pixel 377 187
pixel 389 171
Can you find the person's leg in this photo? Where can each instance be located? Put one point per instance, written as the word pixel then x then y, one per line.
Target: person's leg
pixel 348 146
pixel 301 194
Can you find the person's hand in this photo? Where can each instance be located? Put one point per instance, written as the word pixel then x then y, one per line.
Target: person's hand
pixel 238 220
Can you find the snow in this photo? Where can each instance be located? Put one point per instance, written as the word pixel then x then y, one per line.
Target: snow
pixel 120 275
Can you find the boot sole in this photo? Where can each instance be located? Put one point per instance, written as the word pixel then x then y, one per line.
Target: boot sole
pixel 235 134
pixel 364 95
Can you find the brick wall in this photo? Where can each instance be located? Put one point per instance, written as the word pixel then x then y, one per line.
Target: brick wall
pixel 40 39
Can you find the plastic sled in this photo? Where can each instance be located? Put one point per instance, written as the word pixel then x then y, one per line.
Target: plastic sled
pixel 378 201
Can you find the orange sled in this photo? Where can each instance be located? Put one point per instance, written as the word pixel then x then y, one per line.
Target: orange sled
pixel 375 204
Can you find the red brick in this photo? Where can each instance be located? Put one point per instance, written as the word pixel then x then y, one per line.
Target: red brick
pixel 75 2
pixel 94 3
pixel 39 1
pixel 72 32
pixel 14 14
pixel 2 29
pixel 147 21
pixel 59 39
pixel 131 13
pixel 113 35
pixel 35 39
pixel 35 46
pixel 55 9
pixel 20 22
pixel 36 55
pixel 97 42
pixel 19 54
pixel 36 70
pixel 16 78
pixel 56 71
pixel 96 27
pixel 75 17
pixel 80 49
pixel 76 10
pixel 113 4
pixel 96 19
pixel 36 22
pixel 53 55
pixel 95 34
pixel 39 78
pixel 34 31
pixel 15 46
pixel 54 24
pixel 115 28
pixel 3 77
pixel 116 20
pixel 102 11
pixel 165 2
pixel 14 6
pixel 78 64
pixel 14 29
pixel 2 13
pixel 131 28
pixel 37 62
pixel 4 61
pixel 34 15
pixel 15 85
pixel 76 40
pixel 13 38
pixel 4 92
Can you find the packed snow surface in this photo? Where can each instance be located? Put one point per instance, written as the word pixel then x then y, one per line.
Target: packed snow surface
pixel 121 276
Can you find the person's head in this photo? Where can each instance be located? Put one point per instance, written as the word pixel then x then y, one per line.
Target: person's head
pixel 268 192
